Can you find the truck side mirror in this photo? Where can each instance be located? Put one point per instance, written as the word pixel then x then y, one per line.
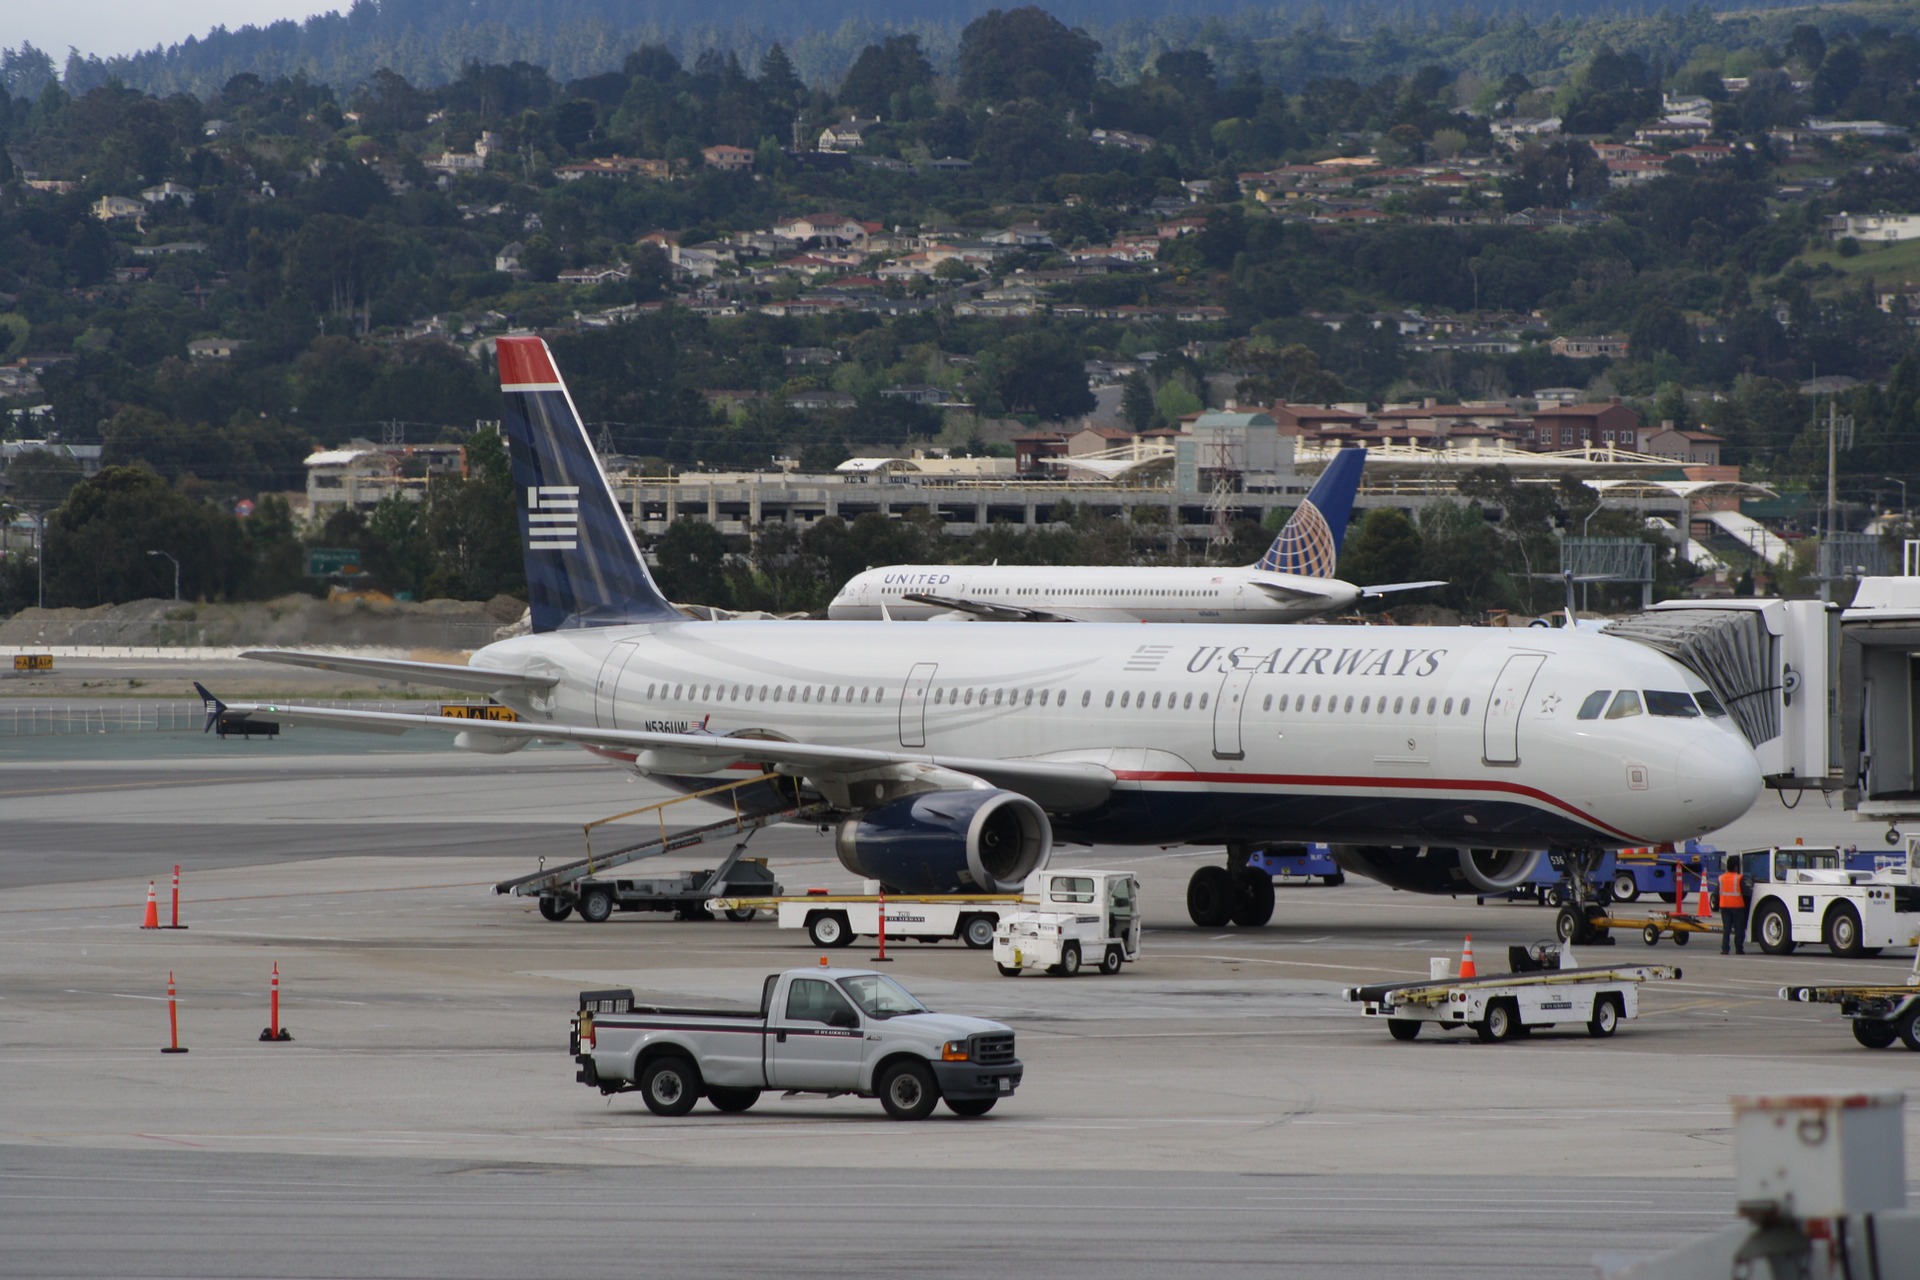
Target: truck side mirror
pixel 845 1018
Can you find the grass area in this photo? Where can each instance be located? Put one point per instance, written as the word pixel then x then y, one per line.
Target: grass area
pixel 1886 263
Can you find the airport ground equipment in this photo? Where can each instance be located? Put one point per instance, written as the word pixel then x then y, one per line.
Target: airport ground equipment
pixel 1881 1013
pixel 1547 987
pixel 817 1031
pixel 757 802
pixel 1802 895
pixel 1075 918
pixel 1298 862
pixel 1677 925
pixel 840 919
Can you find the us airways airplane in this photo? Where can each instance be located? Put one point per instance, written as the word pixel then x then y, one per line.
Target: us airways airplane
pixel 1436 759
pixel 1294 580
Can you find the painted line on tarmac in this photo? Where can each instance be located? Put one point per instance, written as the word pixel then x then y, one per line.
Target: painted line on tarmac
pixel 129 786
pixel 262 897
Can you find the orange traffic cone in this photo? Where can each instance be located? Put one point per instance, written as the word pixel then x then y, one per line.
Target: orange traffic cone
pixel 153 909
pixel 1705 908
pixel 1466 960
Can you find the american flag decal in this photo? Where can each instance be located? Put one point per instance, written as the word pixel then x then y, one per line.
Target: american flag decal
pixel 1304 547
pixel 553 517
pixel 1148 657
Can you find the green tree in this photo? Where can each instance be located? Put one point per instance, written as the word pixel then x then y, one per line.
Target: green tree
pixel 473 527
pixel 1044 373
pixel 97 543
pixel 1025 53
pixel 1387 547
pixel 882 72
pixel 691 564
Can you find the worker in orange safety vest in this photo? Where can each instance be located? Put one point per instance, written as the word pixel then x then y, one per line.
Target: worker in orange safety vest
pixel 1735 891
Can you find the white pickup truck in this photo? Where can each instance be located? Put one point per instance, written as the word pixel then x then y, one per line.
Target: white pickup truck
pixel 829 1031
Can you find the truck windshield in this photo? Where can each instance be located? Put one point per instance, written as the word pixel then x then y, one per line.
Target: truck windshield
pixel 880 997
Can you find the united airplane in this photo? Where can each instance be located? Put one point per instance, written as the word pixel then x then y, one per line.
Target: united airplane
pixel 951 758
pixel 1293 580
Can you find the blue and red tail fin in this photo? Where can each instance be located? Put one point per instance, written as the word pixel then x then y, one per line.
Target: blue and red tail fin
pixel 583 566
pixel 1309 545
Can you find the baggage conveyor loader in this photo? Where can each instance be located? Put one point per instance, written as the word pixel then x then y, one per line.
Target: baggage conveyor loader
pixel 1548 987
pixel 1880 1013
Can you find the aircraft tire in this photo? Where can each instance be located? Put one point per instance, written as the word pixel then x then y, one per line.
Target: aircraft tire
pixel 1210 897
pixel 1252 898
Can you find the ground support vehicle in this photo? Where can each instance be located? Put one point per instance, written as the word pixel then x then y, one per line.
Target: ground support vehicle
pixel 1547 987
pixel 1076 918
pixel 817 1031
pixel 581 885
pixel 1677 925
pixel 839 919
pixel 1807 895
pixel 1880 1013
pixel 1298 862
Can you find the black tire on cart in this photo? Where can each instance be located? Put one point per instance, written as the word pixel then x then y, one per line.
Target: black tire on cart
pixel 1909 1029
pixel 1874 1033
pixel 1403 1028
pixel 971 1106
pixel 1843 931
pixel 1337 878
pixel 1252 898
pixel 1680 938
pixel 1502 1022
pixel 1210 897
pixel 1551 896
pixel 740 915
pixel 1606 1017
pixel 830 929
pixel 1111 960
pixel 1651 935
pixel 907 1090
pixel 1069 961
pixel 732 1100
pixel 1773 931
pixel 1008 970
pixel 670 1086
pixel 596 906
pixel 1625 887
pixel 977 931
pixel 556 909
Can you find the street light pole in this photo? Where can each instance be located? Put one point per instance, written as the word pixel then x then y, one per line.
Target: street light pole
pixel 176 573
pixel 1903 495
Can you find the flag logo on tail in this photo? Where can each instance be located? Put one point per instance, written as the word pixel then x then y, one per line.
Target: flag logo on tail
pixel 553 517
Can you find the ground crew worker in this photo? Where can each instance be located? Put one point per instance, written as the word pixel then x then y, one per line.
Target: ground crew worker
pixel 1734 886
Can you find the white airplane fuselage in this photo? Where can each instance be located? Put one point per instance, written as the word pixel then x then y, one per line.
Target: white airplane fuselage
pixel 1395 735
pixel 1094 593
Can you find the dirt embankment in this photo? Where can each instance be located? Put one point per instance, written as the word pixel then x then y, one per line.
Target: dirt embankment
pixel 290 621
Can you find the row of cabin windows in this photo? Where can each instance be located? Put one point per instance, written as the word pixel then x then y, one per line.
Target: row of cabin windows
pixel 1368 705
pixel 943 696
pixel 1656 702
pixel 774 693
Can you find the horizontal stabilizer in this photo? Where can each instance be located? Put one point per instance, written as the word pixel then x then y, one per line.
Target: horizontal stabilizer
pixel 986 611
pixel 441 675
pixel 1387 588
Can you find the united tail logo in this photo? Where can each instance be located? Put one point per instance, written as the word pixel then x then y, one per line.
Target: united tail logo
pixel 1309 545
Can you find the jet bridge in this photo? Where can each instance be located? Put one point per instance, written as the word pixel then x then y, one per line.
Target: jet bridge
pixel 1773 665
pixel 1880 706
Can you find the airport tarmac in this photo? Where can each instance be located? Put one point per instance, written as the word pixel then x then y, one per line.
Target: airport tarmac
pixel 1217 1109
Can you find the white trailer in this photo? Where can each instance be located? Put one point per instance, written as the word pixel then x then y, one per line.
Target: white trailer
pixel 1503 1006
pixel 838 919
pixel 1855 913
pixel 1076 917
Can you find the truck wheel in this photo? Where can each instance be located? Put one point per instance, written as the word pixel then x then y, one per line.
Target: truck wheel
pixel 1774 931
pixel 1651 935
pixel 1008 970
pixel 739 916
pixel 670 1086
pixel 732 1100
pixel 971 1106
pixel 1210 897
pixel 596 906
pixel 977 931
pixel 1625 887
pixel 1606 1017
pixel 907 1090
pixel 1252 898
pixel 1337 878
pixel 1111 960
pixel 1909 1030
pixel 1874 1033
pixel 1843 931
pixel 556 909
pixel 830 929
pixel 1551 896
pixel 1502 1023
pixel 1403 1028
pixel 1069 961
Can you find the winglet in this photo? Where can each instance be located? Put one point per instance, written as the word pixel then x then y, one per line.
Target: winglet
pixel 1309 545
pixel 213 705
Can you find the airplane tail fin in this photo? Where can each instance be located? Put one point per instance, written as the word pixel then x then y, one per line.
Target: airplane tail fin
pixel 583 566
pixel 1309 545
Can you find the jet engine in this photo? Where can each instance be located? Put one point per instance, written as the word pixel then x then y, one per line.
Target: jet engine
pixel 974 841
pixel 1431 869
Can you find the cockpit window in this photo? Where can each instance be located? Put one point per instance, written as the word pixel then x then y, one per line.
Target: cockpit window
pixel 1625 703
pixel 1596 703
pixel 1667 702
pixel 1709 703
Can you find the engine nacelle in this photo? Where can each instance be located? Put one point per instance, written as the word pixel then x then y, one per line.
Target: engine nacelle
pixel 1438 869
pixel 975 841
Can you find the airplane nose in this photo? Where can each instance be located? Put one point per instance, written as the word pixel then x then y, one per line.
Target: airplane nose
pixel 1719 779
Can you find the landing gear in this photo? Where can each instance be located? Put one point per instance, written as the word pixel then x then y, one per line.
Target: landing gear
pixel 1234 893
pixel 1252 898
pixel 1210 897
pixel 1575 924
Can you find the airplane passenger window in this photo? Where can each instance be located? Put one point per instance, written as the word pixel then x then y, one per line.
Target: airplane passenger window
pixel 1188 705
pixel 649 690
pixel 793 693
pixel 806 694
pixel 1397 702
pixel 1266 703
pixel 1109 697
pixel 1429 706
pixel 997 695
pixel 939 696
pixel 1595 703
pixel 1283 701
pixel 1203 702
pixel 1665 702
pixel 1156 702
pixel 879 695
pixel 1447 707
pixel 1316 702
pixel 776 693
pixel 1625 703
pixel 1709 703
pixel 1123 700
pixel 1348 709
pixel 865 691
pixel 1365 705
pixel 969 698
pixel 676 691
pixel 1086 698
pixel 1029 698
pixel 1464 704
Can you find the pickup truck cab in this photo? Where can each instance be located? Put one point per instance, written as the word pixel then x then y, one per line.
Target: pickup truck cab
pixel 825 1030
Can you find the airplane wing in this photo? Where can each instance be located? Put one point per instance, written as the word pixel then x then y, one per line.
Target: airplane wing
pixel 1053 784
pixel 1385 588
pixel 989 612
pixel 443 675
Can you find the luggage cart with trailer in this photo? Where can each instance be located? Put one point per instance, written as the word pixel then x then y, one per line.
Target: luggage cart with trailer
pixel 1548 987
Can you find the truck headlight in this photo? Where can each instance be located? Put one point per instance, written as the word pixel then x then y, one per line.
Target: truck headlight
pixel 955 1051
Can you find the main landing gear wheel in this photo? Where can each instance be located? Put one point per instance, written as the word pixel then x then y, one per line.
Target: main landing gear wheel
pixel 1252 898
pixel 555 909
pixel 1210 897
pixel 1574 924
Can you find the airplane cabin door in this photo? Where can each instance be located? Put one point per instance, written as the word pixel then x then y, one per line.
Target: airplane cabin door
pixel 1501 729
pixel 1228 707
pixel 606 687
pixel 913 704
